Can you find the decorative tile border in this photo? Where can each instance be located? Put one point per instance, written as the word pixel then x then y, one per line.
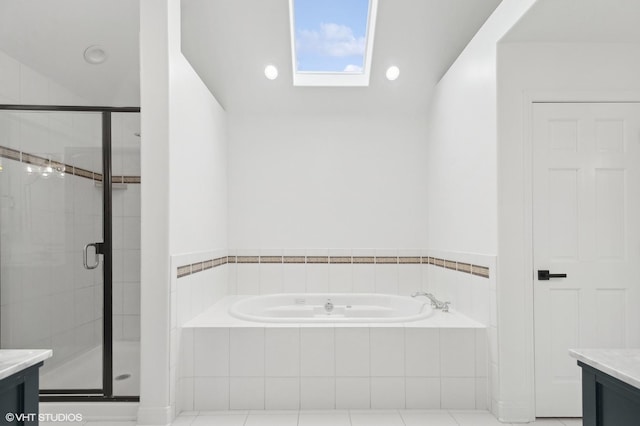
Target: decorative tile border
pixel 364 259
pixel 481 271
pixel 478 270
pixel 464 267
pixel 36 160
pixel 194 268
pixel 386 259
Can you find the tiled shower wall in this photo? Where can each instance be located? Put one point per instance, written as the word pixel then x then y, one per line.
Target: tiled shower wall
pixel 48 299
pixel 126 263
pixel 126 226
pixel 20 84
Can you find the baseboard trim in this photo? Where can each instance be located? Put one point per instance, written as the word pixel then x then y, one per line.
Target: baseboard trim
pixel 155 415
pixel 105 411
pixel 512 412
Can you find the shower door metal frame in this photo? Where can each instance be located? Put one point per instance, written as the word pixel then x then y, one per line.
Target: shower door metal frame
pixel 106 393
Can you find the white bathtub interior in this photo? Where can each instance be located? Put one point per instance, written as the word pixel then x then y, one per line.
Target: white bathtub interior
pixel 331 307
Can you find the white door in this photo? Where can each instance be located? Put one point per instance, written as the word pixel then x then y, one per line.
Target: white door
pixel 586 215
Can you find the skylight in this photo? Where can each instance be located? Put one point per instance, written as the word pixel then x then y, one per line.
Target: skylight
pixel 332 41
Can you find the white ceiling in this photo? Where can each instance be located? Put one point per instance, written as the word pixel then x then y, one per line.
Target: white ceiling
pixel 579 21
pixel 50 36
pixel 229 42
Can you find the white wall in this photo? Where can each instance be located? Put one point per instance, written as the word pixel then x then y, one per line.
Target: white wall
pixel 183 194
pixel 198 163
pixel 462 178
pixel 198 208
pixel 552 71
pixel 461 159
pixel 326 181
pixel 154 259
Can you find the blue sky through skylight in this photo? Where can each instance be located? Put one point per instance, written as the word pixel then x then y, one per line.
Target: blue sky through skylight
pixel 330 35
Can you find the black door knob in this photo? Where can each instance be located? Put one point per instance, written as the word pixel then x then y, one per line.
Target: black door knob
pixel 544 275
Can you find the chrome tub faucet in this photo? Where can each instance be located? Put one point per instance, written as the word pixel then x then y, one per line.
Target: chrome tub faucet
pixel 444 306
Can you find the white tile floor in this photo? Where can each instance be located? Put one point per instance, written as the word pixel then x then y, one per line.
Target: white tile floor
pixel 352 418
pixel 336 418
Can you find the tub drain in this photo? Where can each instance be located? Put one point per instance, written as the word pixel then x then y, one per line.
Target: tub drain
pixel 122 376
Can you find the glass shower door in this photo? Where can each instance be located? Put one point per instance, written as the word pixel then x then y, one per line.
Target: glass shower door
pixel 51 207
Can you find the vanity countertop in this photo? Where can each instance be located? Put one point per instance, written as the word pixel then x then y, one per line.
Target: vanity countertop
pixel 623 364
pixel 15 360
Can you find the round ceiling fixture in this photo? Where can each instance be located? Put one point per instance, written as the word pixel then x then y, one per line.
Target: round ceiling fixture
pixel 271 72
pixel 393 73
pixel 95 55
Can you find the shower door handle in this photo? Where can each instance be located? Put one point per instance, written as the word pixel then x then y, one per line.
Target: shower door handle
pixel 85 255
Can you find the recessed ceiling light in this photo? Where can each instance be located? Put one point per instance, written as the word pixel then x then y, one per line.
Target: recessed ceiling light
pixel 393 73
pixel 271 72
pixel 95 55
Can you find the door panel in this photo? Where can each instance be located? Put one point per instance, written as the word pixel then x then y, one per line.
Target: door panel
pixel 50 207
pixel 586 186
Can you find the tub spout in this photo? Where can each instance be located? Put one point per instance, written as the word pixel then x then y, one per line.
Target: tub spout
pixel 434 302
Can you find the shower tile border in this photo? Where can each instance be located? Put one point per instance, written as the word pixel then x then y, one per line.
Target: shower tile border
pixel 37 160
pixel 9 153
pixel 449 264
pixel 205 265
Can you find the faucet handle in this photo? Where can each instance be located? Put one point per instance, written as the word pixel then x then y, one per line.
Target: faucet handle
pixel 445 306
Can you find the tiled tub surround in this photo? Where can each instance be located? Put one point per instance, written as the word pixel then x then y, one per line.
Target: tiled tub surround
pixel 476 297
pixel 191 294
pixel 229 364
pixel 337 271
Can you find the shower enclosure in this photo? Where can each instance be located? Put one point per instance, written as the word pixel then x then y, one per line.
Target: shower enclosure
pixel 70 246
